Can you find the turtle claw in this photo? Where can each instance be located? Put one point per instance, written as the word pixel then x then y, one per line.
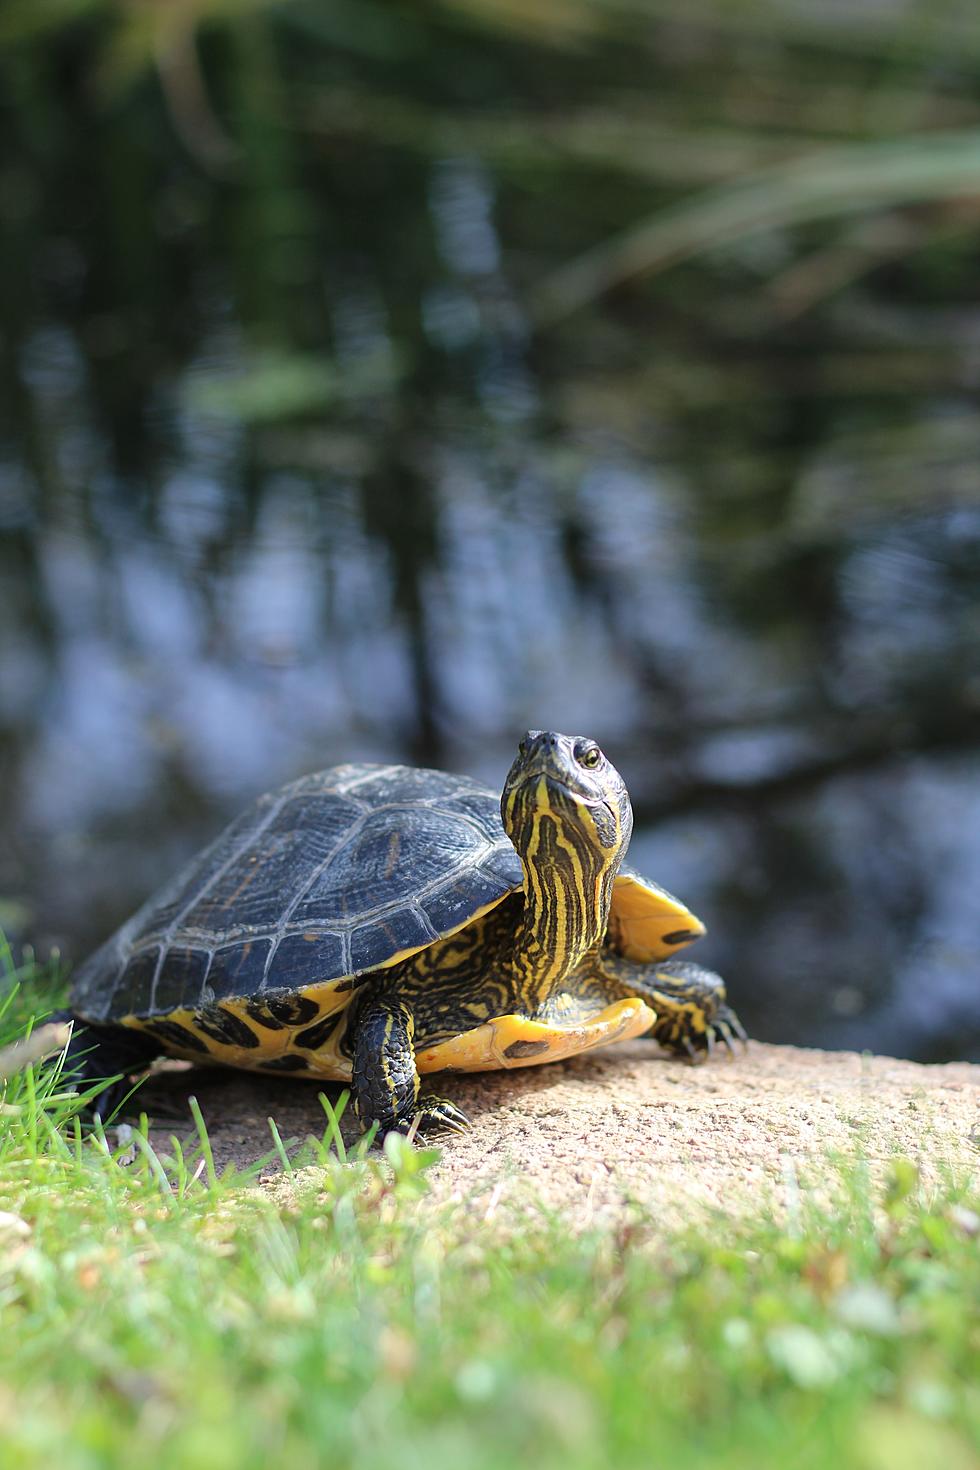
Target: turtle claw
pixel 698 1044
pixel 727 1028
pixel 739 1030
pixel 433 1113
pixel 439 1112
pixel 724 1035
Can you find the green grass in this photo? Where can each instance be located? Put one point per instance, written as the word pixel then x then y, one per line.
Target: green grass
pixel 151 1312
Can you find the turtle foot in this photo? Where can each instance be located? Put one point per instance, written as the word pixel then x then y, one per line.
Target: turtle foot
pixel 429 1115
pixel 432 1114
pixel 697 1042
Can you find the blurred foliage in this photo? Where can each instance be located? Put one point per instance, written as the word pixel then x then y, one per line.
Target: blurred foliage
pixel 734 142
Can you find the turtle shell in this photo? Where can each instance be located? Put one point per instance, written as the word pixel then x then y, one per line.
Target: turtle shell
pixel 340 873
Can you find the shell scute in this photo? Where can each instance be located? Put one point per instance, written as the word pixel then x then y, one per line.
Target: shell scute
pixel 169 906
pixel 305 958
pixel 502 865
pixel 398 852
pixel 180 982
pixel 474 805
pixel 463 898
pixel 284 856
pixel 238 969
pixel 403 929
pixel 137 979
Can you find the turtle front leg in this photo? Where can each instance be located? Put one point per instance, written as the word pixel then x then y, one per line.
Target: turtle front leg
pixel 691 1003
pixel 385 1078
pixel 692 1010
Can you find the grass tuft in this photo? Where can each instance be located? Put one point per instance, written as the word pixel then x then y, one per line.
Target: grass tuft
pixel 155 1309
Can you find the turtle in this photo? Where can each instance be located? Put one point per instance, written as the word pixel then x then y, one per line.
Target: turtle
pixel 372 924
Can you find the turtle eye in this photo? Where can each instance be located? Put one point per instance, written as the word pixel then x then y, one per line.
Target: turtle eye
pixel 589 757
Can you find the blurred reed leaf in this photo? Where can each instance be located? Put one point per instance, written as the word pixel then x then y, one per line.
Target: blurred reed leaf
pixel 632 139
pixel 136 29
pixel 913 30
pixel 833 182
pixel 144 35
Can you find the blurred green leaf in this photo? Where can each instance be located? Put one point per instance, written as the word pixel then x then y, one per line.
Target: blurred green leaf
pixel 804 1356
pixel 273 386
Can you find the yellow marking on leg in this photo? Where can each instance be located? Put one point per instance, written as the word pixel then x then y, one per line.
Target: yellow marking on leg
pixel 672 1012
pixel 389 1088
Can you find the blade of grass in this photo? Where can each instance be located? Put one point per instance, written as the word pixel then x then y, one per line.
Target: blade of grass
pixel 205 1141
pixel 156 1168
pixel 280 1146
pixel 334 1115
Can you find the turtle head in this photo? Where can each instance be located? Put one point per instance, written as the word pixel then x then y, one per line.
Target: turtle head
pixel 565 809
pixel 564 783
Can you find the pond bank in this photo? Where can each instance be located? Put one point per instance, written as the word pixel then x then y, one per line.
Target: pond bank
pixel 589 1136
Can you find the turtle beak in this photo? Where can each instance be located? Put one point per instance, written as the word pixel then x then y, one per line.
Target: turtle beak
pixel 548 757
pixel 538 752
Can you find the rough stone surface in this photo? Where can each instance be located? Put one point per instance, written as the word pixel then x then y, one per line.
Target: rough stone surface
pixel 592 1136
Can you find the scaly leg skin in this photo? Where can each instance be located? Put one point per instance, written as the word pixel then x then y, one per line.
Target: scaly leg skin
pixel 385 1079
pixel 691 1004
pixel 98 1053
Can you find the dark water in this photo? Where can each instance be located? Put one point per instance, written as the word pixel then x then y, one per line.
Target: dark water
pixel 289 476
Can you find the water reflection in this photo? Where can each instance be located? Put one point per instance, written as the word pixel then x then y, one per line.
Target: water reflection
pixel 287 478
pixel 161 694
